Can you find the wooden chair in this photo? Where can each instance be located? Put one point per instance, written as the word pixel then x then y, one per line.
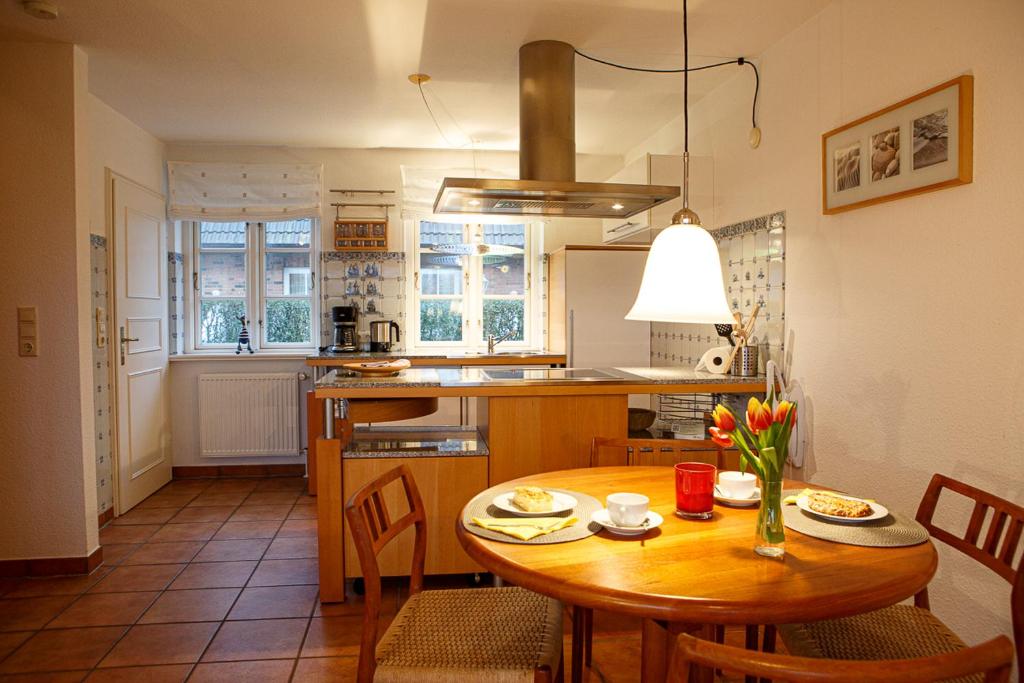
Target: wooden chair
pixel 478 634
pixel 905 631
pixel 661 451
pixel 992 660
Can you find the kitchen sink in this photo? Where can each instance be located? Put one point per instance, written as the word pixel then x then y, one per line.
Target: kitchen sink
pixel 549 375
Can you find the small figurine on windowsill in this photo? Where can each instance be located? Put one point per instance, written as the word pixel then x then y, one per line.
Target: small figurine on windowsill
pixel 243 337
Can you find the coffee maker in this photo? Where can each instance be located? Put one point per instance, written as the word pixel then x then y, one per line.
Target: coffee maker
pixel 345 338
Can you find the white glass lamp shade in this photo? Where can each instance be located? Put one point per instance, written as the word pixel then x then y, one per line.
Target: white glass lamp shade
pixel 682 279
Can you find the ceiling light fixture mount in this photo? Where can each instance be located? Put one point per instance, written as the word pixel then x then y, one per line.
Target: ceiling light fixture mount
pixel 419 79
pixel 40 10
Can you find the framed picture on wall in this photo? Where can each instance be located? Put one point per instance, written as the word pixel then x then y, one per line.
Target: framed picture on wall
pixel 921 144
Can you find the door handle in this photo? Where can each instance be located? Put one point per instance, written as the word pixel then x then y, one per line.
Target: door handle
pixel 124 343
pixel 572 338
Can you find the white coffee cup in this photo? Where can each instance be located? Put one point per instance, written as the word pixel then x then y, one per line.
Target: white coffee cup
pixel 627 509
pixel 737 484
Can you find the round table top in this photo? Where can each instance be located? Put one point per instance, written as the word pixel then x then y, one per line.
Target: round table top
pixel 701 571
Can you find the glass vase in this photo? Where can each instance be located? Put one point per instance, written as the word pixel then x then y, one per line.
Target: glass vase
pixel 770 538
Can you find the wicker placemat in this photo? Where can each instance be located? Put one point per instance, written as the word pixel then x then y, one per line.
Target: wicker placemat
pixel 481 506
pixel 892 531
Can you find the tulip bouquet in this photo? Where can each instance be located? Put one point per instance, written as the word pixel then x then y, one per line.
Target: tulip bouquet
pixel 763 443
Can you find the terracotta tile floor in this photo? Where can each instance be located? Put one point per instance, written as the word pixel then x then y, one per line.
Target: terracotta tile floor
pixel 215 580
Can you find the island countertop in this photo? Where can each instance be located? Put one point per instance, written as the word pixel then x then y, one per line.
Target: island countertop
pixel 431 358
pixel 469 381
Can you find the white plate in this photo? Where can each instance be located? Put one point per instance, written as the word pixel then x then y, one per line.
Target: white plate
pixel 654 520
pixel 877 511
pixel 562 502
pixel 739 502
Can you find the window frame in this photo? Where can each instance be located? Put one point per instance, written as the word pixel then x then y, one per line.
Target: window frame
pixel 473 296
pixel 256 298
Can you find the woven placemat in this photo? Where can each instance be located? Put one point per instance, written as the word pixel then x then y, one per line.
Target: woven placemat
pixel 481 506
pixel 892 531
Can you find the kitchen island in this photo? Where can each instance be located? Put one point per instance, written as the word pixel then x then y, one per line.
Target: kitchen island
pixel 532 419
pixel 428 358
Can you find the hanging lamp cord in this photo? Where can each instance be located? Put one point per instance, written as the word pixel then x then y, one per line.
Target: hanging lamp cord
pixel 742 61
pixel 686 86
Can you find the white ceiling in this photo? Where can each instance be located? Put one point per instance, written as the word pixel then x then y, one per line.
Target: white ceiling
pixel 332 73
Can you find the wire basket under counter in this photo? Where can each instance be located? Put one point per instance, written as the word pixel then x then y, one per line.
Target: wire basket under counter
pixel 680 407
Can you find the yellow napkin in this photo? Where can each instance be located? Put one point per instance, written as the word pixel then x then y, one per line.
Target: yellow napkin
pixel 791 500
pixel 524 528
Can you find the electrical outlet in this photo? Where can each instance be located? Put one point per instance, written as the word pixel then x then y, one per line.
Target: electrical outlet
pixel 101 328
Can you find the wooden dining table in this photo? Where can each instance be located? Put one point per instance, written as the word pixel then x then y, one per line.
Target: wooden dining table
pixel 689 574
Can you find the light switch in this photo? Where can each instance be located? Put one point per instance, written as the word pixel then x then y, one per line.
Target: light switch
pixel 28 344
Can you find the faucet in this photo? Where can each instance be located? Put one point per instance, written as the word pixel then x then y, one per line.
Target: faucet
pixel 492 342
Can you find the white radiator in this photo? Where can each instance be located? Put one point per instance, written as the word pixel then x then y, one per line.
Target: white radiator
pixel 247 414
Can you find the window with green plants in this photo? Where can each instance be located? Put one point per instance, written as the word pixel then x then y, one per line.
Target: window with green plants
pixel 262 271
pixel 472 282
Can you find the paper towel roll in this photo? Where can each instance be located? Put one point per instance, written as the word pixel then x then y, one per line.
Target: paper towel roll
pixel 714 360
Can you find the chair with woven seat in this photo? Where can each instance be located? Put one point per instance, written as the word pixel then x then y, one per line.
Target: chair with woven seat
pixel 908 631
pixel 499 635
pixel 989 662
pixel 660 451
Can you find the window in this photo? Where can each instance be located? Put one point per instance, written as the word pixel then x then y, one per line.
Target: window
pixel 260 270
pixel 472 281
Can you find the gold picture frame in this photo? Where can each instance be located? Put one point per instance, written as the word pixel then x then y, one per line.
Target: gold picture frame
pixel 921 144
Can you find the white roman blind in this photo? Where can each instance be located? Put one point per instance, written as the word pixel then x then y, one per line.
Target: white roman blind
pixel 244 192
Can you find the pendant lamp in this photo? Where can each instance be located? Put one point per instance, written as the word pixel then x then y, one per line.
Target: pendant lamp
pixel 682 280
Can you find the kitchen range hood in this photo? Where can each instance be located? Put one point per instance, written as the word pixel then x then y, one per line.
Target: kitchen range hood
pixel 547 154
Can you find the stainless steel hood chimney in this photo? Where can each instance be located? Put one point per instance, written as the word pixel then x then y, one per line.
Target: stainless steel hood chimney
pixel 547 154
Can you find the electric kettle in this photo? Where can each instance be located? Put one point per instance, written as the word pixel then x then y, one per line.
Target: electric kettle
pixel 383 333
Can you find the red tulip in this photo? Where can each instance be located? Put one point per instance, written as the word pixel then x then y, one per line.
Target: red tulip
pixel 720 437
pixel 723 418
pixel 759 415
pixel 783 410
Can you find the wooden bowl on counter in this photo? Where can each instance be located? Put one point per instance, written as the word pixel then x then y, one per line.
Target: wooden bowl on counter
pixel 640 419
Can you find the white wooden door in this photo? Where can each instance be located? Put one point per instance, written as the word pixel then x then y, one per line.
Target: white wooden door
pixel 140 337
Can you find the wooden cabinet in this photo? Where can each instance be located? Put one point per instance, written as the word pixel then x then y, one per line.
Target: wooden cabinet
pixel 662 169
pixel 532 434
pixel 617 229
pixel 445 484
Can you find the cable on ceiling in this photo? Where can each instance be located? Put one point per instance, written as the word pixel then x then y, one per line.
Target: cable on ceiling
pixel 739 60
pixel 472 142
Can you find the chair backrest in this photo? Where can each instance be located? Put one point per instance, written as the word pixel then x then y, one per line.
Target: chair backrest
pixel 676 450
pixel 373 528
pixel 993 658
pixel 996 548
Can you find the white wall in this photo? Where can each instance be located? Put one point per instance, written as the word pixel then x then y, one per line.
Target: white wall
pixel 118 144
pixel 903 318
pixel 47 472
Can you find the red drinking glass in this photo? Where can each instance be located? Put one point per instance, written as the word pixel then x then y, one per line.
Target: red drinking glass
pixel 695 490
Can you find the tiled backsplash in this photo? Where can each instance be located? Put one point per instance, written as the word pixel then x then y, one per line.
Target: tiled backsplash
pixel 176 303
pixel 753 255
pixel 101 377
pixel 372 281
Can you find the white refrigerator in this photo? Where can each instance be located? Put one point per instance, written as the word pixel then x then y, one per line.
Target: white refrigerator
pixel 590 290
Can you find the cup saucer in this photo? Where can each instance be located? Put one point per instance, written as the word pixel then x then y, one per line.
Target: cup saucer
pixel 738 502
pixel 652 521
